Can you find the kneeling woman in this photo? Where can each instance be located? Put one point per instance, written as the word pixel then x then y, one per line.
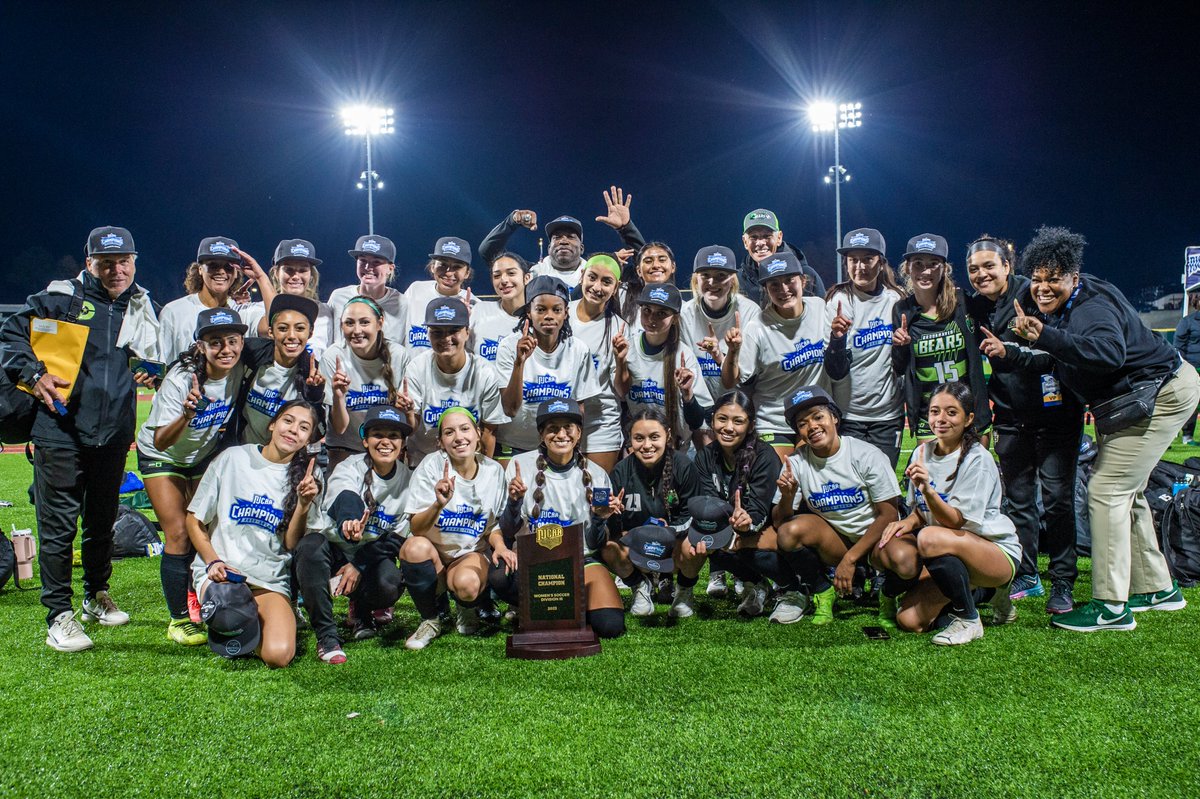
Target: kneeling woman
pixel 453 507
pixel 568 490
pixel 851 489
pixel 354 535
pixel 956 528
pixel 248 515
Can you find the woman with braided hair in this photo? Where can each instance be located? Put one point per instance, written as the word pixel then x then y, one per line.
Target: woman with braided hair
pixel 568 490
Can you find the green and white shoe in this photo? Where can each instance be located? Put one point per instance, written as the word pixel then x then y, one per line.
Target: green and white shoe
pixel 1096 615
pixel 1167 599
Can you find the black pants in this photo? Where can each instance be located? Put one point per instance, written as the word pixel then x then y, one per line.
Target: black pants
pixel 1045 454
pixel 884 435
pixel 379 585
pixel 72 486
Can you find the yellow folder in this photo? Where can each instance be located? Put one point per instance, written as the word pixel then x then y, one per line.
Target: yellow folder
pixel 60 346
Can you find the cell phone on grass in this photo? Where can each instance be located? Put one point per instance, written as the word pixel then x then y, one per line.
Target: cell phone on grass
pixel 876 633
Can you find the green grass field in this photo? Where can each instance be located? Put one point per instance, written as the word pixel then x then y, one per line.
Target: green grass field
pixel 710 707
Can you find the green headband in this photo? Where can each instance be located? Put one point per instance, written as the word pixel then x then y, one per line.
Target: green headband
pixel 456 409
pixel 606 262
pixel 367 301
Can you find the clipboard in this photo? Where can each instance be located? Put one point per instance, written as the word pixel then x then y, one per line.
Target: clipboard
pixel 59 345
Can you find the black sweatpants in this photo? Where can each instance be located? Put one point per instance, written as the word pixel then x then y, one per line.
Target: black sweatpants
pixel 884 435
pixel 379 585
pixel 73 486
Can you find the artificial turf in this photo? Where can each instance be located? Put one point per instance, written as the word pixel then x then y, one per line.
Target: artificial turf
pixel 713 706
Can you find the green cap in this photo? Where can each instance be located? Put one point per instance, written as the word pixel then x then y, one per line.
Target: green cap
pixel 760 217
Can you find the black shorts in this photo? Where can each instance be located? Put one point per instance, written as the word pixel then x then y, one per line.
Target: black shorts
pixel 164 468
pixel 505 451
pixel 778 439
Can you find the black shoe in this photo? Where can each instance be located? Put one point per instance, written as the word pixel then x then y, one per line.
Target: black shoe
pixel 1061 600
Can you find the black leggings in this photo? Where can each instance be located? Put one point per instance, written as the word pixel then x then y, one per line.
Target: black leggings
pixel 379 585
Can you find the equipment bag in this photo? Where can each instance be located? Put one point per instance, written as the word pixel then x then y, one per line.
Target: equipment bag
pixel 134 535
pixel 8 560
pixel 1179 536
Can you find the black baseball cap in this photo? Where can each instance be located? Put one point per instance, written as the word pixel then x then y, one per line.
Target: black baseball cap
pixel 384 416
pixel 452 248
pixel 110 241
pixel 218 248
pixel 864 238
pixel 807 397
pixel 558 408
pixel 564 223
pixel 231 614
pixel 377 246
pixel 213 319
pixel 928 244
pixel 546 284
pixel 651 548
pixel 296 249
pixel 715 256
pixel 663 294
pixel 294 302
pixel 782 264
pixel 710 522
pixel 446 312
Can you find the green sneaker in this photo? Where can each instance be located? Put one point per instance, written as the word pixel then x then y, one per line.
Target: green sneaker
pixel 822 605
pixel 887 612
pixel 1096 615
pixel 1167 599
pixel 186 632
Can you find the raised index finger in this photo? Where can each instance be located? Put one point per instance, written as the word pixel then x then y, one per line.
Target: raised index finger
pixel 1017 306
pixel 312 462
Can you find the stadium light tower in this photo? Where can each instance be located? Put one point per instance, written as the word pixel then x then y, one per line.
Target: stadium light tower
pixel 368 121
pixel 826 117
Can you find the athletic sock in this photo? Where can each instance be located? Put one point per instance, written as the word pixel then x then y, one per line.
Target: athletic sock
pixel 421 579
pixel 894 585
pixel 683 581
pixel 175 572
pixel 635 579
pixel 950 575
pixel 809 570
pixel 772 564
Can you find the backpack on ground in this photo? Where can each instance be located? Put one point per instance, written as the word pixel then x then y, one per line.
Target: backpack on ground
pixel 134 535
pixel 1179 536
pixel 8 560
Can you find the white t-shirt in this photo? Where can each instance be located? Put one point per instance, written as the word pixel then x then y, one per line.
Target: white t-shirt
pixel 693 327
pixel 177 325
pixel 325 329
pixel 647 385
pixel 474 510
pixel 202 433
pixel 871 392
pixel 571 277
pixel 601 413
pixel 489 325
pixel 564 497
pixel 393 304
pixel 783 354
pixel 565 373
pixel 273 385
pixel 367 388
pixel 975 493
pixel 419 295
pixel 843 488
pixel 390 493
pixel 474 387
pixel 240 500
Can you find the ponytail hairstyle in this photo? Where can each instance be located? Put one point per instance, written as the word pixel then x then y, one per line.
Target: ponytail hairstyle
pixel 578 458
pixel 299 463
pixel 1002 247
pixel 966 400
pixel 670 355
pixel 887 276
pixel 947 297
pixel 192 280
pixel 383 350
pixel 195 361
pixel 665 493
pixel 748 451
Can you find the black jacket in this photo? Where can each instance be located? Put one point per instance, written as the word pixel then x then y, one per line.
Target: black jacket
pixel 1102 346
pixel 748 277
pixel 641 500
pixel 497 240
pixel 102 408
pixel 718 481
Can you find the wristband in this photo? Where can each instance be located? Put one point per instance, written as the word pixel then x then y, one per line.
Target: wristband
pixel 212 563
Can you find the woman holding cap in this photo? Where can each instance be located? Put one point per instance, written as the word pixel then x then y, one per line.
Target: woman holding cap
pixel 361 371
pixel 375 266
pixel 492 320
pixel 210 283
pixel 294 271
pixel 568 490
pixel 353 535
pixel 654 371
pixel 850 489
pixel 1037 425
pixel 782 351
pixel 956 538
pixel 657 480
pixel 933 340
pixel 1139 392
pixel 594 317
pixel 450 267
pixel 453 509
pixel 859 358
pixel 247 516
pixel 538 362
pixel 448 376
pixel 179 440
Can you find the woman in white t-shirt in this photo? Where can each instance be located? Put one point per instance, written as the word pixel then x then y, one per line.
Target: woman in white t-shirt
pixel 180 439
pixel 595 318
pixel 542 361
pixel 782 351
pixel 375 266
pixel 654 262
pixel 361 371
pixel 294 271
pixel 454 505
pixel 956 530
pixel 450 267
pixel 568 491
pixel 491 321
pixel 247 516
pixel 850 489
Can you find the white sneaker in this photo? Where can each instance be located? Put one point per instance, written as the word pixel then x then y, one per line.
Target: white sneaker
pixel 101 608
pixel 642 605
pixel 683 604
pixel 756 597
pixel 739 588
pixel 716 585
pixel 66 634
pixel 426 632
pixel 790 608
pixel 620 584
pixel 960 631
pixel 468 621
pixel 1004 611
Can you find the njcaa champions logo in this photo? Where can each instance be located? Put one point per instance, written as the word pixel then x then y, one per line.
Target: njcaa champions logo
pixel 213 415
pixel 877 333
pixel 300 251
pixel 832 497
pixel 266 401
pixel 653 550
pixel 450 248
pixel 222 318
pixel 258 512
pixel 489 348
pixel 801 396
pixel 548 529
pixel 859 240
pixel 112 241
pixel 648 392
pixel 925 244
pixel 544 387
pixel 806 353
pixel 219 248
pixel 432 413
pixel 381 523
pixel 708 366
pixel 418 336
pixel 462 520
pixel 717 259
pixel 775 267
pixel 443 313
pixel 370 245
pixel 368 395
pixel 659 294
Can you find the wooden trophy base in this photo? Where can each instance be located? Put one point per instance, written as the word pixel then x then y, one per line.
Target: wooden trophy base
pixel 553 644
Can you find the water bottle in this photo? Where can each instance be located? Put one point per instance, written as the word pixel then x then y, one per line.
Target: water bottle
pixel 1179 485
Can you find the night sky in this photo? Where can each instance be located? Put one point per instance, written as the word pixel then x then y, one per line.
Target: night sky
pixel 212 118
